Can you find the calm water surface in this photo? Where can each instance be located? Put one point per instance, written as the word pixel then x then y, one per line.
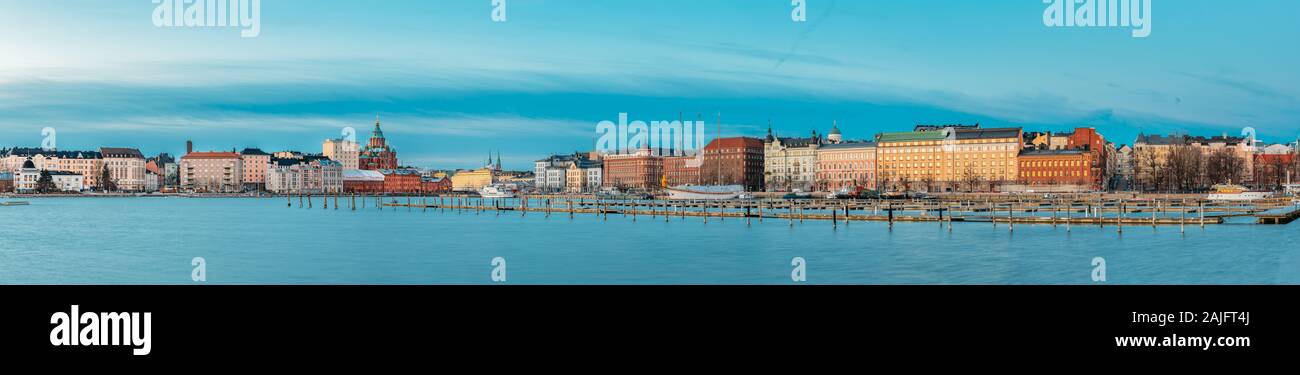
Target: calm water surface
pixel 260 241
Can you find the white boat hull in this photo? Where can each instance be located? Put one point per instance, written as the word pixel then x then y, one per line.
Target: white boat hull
pixel 686 193
pixel 1246 196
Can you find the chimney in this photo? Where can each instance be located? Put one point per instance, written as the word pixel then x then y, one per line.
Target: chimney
pixel 189 147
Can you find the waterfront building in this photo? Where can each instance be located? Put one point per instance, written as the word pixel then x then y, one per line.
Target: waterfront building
pixel 255 164
pixel 1240 147
pixel 973 159
pixel 1155 171
pixel 89 164
pixel 26 176
pixel 212 172
pixel 1275 165
pixel 641 170
pixel 473 180
pixel 314 174
pixel 402 181
pixel 847 166
pixel 790 163
pixel 152 181
pixel 682 170
pixel 550 175
pixel 343 151
pixel 363 181
pixel 6 182
pixel 125 167
pixel 435 185
pixel 584 176
pixel 377 154
pixel 69 182
pixel 736 161
pixel 1058 170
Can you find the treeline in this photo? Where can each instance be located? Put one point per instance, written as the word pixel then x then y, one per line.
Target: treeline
pixel 1185 168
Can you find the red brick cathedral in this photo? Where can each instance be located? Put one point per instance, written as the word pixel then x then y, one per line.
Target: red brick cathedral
pixel 377 154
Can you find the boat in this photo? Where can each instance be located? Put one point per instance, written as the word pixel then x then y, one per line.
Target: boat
pixel 15 203
pixel 497 191
pixel 1229 192
pixel 706 192
pixel 797 194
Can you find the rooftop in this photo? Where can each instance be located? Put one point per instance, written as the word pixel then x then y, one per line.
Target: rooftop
pixel 210 155
pixel 911 136
pixel 120 152
pixel 849 145
pixel 988 133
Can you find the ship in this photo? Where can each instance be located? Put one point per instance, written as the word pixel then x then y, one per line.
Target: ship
pixel 1229 192
pixel 709 192
pixel 497 191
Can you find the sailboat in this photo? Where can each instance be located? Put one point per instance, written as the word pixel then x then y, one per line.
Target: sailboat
pixel 706 192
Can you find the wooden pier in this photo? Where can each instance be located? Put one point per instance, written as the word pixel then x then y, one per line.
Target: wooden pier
pixel 1095 210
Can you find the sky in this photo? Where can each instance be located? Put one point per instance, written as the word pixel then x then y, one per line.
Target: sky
pixel 451 85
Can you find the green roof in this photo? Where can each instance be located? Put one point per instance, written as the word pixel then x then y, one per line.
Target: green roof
pixel 911 136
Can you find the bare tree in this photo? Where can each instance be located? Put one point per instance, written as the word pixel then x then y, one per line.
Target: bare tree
pixel 970 178
pixel 1224 166
pixel 1148 168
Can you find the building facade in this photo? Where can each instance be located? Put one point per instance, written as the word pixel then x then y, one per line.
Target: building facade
pixel 1068 169
pixel 790 163
pixel 309 175
pixel 125 167
pixel 847 166
pixel 212 172
pixel 89 164
pixel 343 151
pixel 584 176
pixel 473 180
pixel 640 170
pixel 961 158
pixel 735 161
pixel 255 164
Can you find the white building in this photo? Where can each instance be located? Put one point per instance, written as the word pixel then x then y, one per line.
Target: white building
pixel 125 167
pixel 551 174
pixel 790 163
pixel 310 175
pixel 67 181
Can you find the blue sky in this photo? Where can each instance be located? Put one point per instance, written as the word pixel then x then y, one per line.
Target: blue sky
pixel 451 85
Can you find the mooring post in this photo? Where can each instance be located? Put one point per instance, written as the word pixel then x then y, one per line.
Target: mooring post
pixel 1201 211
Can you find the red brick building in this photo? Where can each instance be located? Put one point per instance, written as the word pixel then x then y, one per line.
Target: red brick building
pixel 435 185
pixel 641 170
pixel 402 182
pixel 682 170
pixel 363 182
pixel 733 161
pixel 377 155
pixel 1275 169
pixel 1058 167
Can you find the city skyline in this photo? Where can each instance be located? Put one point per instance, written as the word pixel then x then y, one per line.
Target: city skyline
pixel 538 84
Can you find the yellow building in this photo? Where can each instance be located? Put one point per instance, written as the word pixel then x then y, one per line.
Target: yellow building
pixel 474 180
pixel 953 160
